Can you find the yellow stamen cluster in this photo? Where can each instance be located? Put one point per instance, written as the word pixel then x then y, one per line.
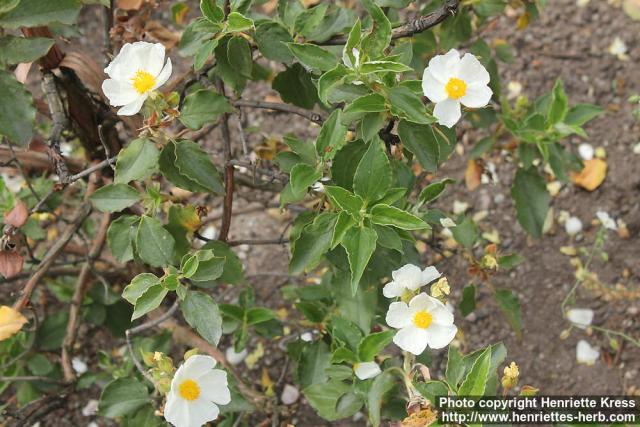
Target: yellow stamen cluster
pixel 189 390
pixel 455 88
pixel 422 319
pixel 143 81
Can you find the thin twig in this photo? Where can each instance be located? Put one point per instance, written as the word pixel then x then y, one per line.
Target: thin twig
pixel 313 116
pixel 82 213
pixel 31 378
pixel 279 241
pixel 228 172
pixel 60 122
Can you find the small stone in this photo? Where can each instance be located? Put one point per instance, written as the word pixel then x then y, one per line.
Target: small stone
pixel 290 394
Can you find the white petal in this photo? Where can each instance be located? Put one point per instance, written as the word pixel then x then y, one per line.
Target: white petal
pixel 580 317
pixel 408 276
pixel 199 364
pixel 442 316
pixel 443 67
pixel 235 358
pixel 201 412
pixel 586 151
pixel 79 365
pixel 425 302
pixel 432 88
pixel 447 112
pixel 476 97
pixel 164 74
pixel 606 220
pixel 398 315
pixel 116 69
pixel 573 225
pixel 119 92
pixel 176 411
pixel 366 370
pixel 153 59
pixel 440 336
pixel 430 274
pixel 133 107
pixel 393 290
pixel 214 387
pixel 472 71
pixel 586 354
pixel 412 339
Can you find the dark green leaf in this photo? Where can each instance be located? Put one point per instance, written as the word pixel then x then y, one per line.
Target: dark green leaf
pixel 465 233
pixel 149 300
pixel 121 235
pixel 468 303
pixel 373 344
pixel 154 244
pixel 114 197
pixel 237 22
pixel 510 306
pixel 407 105
pixel 202 314
pixel 14 50
pixel 239 55
pixel 33 13
pixel 421 141
pixel 529 191
pixel 295 86
pixel 313 56
pixel 136 161
pixel 476 380
pixel 432 191
pixel 17 114
pixel 121 397
pixel 138 286
pixel 390 215
pixel 194 163
pixel 373 175
pixel 359 244
pixel 271 38
pixel 332 136
pixel 203 106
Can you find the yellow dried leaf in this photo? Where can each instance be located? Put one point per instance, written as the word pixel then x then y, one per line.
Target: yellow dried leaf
pixel 592 176
pixel 421 418
pixel 266 382
pixel 254 356
pixel 473 175
pixel 11 321
pixel 568 250
pixel 523 21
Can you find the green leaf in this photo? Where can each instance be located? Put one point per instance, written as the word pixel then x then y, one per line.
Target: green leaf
pixel 237 22
pixel 203 106
pixel 431 390
pixel 432 191
pixel 211 10
pixel 324 398
pixel 371 103
pixel 468 303
pixel 14 50
pixel 7 5
pixel 17 114
pixel 313 56
pixel 203 53
pixel 123 396
pixel 373 344
pixel 383 67
pixel 202 314
pixel 379 38
pixel 313 242
pixel 359 244
pixel 232 272
pixel 345 163
pixel 138 286
pixel 120 235
pixel 308 20
pixel 330 79
pixel 194 163
pixel 510 261
pixel 343 224
pixel 382 384
pixel 476 380
pixel 153 243
pixel 209 268
pixel 407 105
pixel 390 215
pixel 559 104
pixel 296 87
pixel 272 39
pixel 258 315
pixel 332 136
pixel 239 56
pixel 510 306
pixel 136 161
pixel 373 175
pixel 314 360
pixel 114 197
pixel 465 233
pixel 149 300
pixel 582 113
pixel 529 192
pixel 34 13
pixel 302 177
pixel 421 141
pixel 169 169
pixel 455 367
pixel 344 200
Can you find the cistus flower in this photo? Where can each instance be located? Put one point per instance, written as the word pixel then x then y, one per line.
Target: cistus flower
pixel 425 321
pixel 366 370
pixel 407 279
pixel 449 81
pixel 196 391
pixel 137 70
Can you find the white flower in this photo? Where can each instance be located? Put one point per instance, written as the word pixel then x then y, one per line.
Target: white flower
pixel 573 225
pixel 409 278
pixel 79 365
pixel 425 321
pixel 366 370
pixel 586 354
pixel 606 220
pixel 235 358
pixel 586 151
pixel 134 73
pixel 196 391
pixel 450 81
pixel 580 317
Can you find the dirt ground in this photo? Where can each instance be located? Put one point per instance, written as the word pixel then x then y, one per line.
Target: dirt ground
pixel 567 42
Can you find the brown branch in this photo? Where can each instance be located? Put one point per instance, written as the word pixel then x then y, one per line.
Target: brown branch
pixel 82 286
pixel 60 122
pixel 82 213
pixel 258 242
pixel 35 159
pixel 416 26
pixel 313 116
pixel 228 172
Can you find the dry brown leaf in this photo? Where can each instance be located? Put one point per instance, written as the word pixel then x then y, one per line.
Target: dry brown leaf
pixel 421 418
pixel 130 4
pixel 162 34
pixel 17 216
pixel 592 176
pixel 10 263
pixel 87 70
pixel 473 174
pixel 11 321
pixel 22 71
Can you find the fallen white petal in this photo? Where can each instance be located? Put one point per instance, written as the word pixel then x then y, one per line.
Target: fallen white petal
pixel 580 317
pixel 586 354
pixel 573 225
